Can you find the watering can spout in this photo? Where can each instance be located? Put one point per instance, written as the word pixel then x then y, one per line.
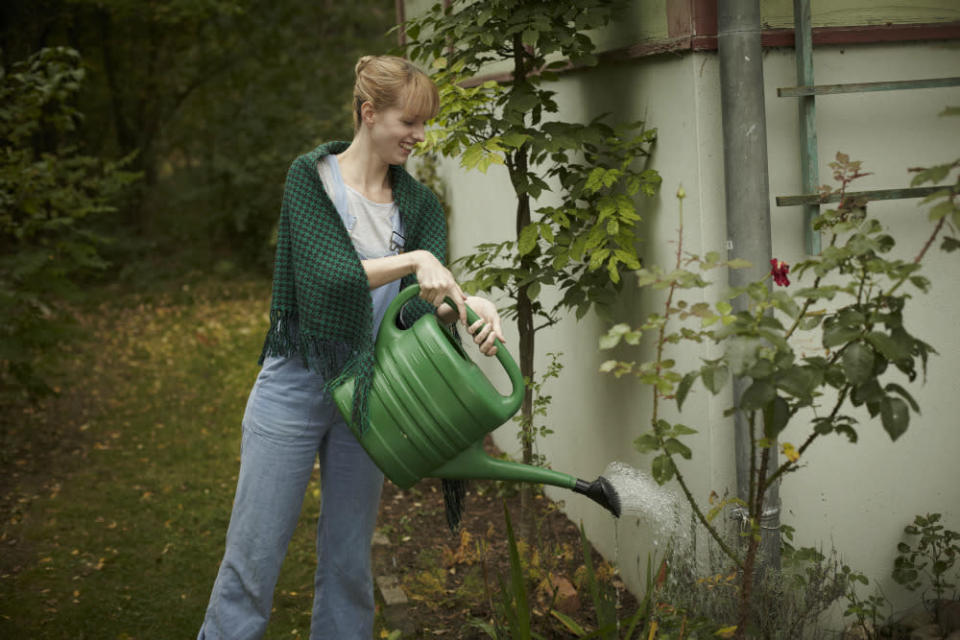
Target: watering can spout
pixel 602 492
pixel 473 462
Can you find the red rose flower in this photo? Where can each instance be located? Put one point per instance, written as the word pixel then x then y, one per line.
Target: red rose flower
pixel 779 271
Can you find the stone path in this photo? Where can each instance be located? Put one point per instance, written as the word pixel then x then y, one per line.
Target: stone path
pixel 393 600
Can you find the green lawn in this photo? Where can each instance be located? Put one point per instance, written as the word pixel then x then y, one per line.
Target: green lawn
pixel 119 535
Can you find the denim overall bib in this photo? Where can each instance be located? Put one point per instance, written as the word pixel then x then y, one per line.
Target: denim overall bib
pixel 288 424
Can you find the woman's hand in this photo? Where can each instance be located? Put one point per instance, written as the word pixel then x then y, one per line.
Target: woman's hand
pixel 488 328
pixel 437 283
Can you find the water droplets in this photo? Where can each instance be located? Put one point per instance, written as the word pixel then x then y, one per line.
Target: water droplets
pixel 641 497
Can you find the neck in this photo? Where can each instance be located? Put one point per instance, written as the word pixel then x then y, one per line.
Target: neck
pixel 362 168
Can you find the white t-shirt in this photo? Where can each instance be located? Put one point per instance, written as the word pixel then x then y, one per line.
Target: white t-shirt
pixel 372 230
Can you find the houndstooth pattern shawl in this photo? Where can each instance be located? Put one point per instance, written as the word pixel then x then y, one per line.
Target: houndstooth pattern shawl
pixel 321 307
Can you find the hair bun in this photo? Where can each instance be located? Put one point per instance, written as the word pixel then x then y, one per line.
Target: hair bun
pixel 361 63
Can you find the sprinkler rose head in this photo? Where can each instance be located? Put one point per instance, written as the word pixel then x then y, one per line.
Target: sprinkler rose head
pixel 601 492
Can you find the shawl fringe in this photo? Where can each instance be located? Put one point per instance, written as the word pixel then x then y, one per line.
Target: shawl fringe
pixel 453 494
pixel 335 360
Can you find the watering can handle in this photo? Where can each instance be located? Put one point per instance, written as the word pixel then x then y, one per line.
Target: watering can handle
pixel 389 327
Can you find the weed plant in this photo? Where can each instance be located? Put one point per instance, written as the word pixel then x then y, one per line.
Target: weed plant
pixel 700 595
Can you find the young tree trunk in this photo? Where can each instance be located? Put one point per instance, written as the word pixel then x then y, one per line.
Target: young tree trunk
pixel 746 586
pixel 526 347
pixel 519 169
pixel 750 569
pixel 527 351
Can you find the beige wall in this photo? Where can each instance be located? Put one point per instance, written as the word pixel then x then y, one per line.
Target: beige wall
pixel 859 497
pixel 831 13
pixel 856 498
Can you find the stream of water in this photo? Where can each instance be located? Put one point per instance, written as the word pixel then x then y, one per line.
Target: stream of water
pixel 662 510
pixel 641 497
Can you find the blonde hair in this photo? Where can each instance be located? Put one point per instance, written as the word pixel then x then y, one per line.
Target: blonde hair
pixel 389 81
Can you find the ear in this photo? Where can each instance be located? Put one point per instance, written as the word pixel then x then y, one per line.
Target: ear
pixel 368 112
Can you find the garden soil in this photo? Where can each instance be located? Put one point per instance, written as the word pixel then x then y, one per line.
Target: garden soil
pixel 453 581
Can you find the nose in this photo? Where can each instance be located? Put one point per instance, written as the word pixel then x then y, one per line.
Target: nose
pixel 419 132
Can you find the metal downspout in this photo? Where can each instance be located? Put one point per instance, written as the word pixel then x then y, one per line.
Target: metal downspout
pixel 747 204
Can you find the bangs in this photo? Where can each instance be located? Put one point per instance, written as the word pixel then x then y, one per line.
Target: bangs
pixel 421 99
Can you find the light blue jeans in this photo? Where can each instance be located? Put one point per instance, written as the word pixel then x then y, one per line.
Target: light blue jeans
pixel 288 423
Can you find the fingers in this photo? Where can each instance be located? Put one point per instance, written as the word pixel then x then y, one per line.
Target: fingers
pixel 437 284
pixel 486 331
pixel 484 336
pixel 437 297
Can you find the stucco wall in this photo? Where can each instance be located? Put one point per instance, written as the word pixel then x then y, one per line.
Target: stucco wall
pixel 859 497
pixel 856 498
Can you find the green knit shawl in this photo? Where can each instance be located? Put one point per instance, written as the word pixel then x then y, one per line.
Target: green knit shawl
pixel 321 307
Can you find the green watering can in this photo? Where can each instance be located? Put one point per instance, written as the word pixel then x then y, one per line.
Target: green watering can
pixel 431 406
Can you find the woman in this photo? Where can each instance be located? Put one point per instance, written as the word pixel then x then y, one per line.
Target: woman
pixel 354 228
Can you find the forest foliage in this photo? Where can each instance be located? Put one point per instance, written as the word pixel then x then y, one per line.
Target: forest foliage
pixel 144 136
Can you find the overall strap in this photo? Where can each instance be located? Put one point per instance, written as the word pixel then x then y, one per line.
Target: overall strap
pixel 339 195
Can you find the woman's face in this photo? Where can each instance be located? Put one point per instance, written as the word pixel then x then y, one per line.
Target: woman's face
pixel 394 133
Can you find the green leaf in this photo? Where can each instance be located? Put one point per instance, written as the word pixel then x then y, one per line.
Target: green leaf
pixel 826 291
pixel 645 277
pixel 783 301
pixel 894 387
pixel 921 282
pixel 647 442
pixel 662 469
pixel 858 362
pixel 866 393
pixel 595 179
pixel 684 387
pixel 932 174
pixel 514 139
pixel 472 156
pixel 942 210
pixel 741 353
pixel 714 377
pixel 835 334
pixel 682 430
pixel 572 625
pixel 775 417
pixel 822 426
pixel 613 335
pixel 851 318
pixel 895 416
pixel 533 290
pixel 799 382
pixel 528 239
pixel 675 447
pixel 847 430
pixel 892 349
pixel 757 395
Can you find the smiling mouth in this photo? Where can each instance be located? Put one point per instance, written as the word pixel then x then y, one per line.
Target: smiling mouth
pixel 407 146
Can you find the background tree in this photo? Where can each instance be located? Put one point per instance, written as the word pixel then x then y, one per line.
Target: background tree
pixel 207 100
pixel 580 246
pixel 215 96
pixel 50 196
